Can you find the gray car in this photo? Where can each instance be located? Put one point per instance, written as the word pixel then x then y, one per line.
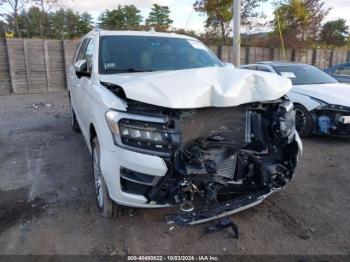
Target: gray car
pixel 341 72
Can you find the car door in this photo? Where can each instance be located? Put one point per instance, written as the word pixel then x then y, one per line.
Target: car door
pixel 84 87
pixel 74 81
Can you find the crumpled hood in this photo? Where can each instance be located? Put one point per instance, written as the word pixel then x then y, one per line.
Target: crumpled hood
pixel 203 87
pixel 335 94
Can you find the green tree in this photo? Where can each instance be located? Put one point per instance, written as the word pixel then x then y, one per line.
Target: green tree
pixel 65 24
pixel 300 21
pixel 85 24
pixel 292 18
pixel 132 17
pixel 335 33
pixel 34 22
pixel 123 18
pixel 159 18
pixel 219 15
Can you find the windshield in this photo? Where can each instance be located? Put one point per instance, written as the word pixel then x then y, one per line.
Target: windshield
pixel 119 54
pixel 304 74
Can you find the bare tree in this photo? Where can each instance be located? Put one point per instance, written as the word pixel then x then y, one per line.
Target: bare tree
pixel 16 7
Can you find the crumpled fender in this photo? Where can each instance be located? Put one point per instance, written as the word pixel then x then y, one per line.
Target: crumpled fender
pixel 203 87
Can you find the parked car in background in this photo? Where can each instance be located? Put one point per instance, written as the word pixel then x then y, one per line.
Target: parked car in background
pixel 322 104
pixel 341 72
pixel 168 124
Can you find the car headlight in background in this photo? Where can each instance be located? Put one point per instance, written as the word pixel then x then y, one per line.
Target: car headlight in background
pixel 142 132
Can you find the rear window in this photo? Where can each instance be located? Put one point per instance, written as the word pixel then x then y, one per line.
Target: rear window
pixel 119 54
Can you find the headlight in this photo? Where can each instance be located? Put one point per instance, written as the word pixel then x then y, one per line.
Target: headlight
pixel 142 132
pixel 284 124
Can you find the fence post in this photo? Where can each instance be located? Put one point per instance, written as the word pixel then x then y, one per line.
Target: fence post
pixel 272 55
pixel 64 63
pixel 8 65
pixel 314 54
pixel 220 52
pixel 25 50
pixel 247 55
pixel 331 58
pixel 46 57
pixel 293 55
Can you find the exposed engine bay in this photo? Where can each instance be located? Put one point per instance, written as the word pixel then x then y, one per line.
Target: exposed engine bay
pixel 219 159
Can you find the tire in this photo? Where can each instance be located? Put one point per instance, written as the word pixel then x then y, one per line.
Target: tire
pixel 105 204
pixel 74 122
pixel 304 121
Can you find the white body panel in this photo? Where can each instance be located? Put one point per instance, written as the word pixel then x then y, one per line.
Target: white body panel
pixel 204 87
pixel 334 94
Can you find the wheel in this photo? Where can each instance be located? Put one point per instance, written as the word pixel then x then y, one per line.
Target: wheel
pixel 104 202
pixel 304 121
pixel 74 122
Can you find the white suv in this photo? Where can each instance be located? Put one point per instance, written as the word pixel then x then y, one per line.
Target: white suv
pixel 168 124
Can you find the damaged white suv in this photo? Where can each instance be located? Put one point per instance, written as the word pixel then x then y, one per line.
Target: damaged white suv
pixel 168 124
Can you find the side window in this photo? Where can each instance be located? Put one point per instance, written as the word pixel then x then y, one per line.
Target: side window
pixel 250 67
pixel 81 50
pixel 345 70
pixel 88 55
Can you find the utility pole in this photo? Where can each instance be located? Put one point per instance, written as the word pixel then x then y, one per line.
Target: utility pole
pixel 236 32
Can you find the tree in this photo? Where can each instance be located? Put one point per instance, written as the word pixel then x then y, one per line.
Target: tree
pixel 16 7
pixel 159 18
pixel 219 15
pixel 124 18
pixel 300 21
pixel 33 22
pixel 132 17
pixel 85 24
pixel 317 13
pixel 46 6
pixel 292 18
pixel 334 33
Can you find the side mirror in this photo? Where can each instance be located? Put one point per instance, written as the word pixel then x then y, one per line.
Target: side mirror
pixel 81 68
pixel 229 65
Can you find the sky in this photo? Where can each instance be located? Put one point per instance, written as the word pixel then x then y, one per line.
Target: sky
pixel 182 10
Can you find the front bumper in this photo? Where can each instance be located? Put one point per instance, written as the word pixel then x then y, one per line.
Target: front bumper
pixel 113 161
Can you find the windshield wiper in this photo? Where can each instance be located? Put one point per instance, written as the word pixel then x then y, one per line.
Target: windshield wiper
pixel 131 70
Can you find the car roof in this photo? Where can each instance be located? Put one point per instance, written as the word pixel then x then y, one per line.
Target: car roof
pixel 139 33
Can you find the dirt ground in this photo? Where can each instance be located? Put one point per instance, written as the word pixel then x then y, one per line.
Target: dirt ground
pixel 47 201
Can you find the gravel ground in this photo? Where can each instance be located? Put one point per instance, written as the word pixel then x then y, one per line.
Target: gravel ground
pixel 47 202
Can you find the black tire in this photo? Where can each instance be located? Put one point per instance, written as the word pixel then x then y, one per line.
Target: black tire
pixel 304 121
pixel 105 204
pixel 74 122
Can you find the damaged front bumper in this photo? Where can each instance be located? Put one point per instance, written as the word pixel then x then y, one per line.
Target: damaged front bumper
pixel 212 162
pixel 218 211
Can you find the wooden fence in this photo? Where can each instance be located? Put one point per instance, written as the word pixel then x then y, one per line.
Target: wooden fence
pixel 32 66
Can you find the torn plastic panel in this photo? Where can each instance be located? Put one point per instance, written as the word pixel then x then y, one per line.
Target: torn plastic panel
pixel 221 159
